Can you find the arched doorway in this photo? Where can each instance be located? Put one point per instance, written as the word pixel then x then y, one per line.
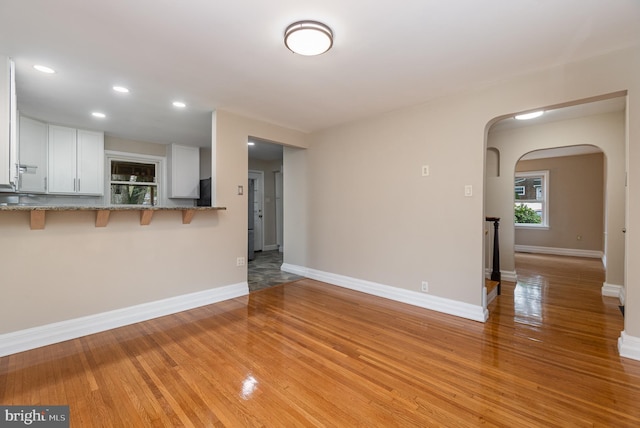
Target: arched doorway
pixel 600 124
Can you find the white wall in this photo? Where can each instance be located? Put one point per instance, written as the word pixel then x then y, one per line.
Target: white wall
pixel 296 206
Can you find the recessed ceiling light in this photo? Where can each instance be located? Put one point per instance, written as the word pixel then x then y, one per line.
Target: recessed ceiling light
pixel 531 115
pixel 179 104
pixel 121 89
pixel 308 38
pixel 98 114
pixel 251 143
pixel 44 69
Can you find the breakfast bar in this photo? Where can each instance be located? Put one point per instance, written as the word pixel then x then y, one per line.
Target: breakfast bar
pixel 38 213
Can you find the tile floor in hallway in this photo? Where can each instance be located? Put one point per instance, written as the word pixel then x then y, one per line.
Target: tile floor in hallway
pixel 264 271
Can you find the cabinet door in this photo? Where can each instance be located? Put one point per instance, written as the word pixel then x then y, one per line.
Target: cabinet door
pixel 185 172
pixel 62 159
pixel 90 162
pixel 33 155
pixel 8 122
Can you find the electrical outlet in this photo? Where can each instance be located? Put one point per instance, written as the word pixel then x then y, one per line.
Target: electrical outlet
pixel 425 287
pixel 240 261
pixel 468 190
pixel 425 170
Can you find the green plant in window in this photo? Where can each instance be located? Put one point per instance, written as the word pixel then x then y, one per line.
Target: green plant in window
pixel 137 195
pixel 525 214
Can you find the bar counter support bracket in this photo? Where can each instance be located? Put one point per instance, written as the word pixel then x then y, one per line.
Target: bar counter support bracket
pixel 38 220
pixel 102 218
pixel 38 215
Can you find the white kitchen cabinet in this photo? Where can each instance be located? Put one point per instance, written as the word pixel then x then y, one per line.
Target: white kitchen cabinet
pixel 184 172
pixel 90 162
pixel 8 125
pixel 32 155
pixel 76 161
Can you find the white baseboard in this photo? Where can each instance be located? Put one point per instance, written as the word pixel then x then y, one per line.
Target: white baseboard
pixel 505 275
pixel 272 247
pixel 415 298
pixel 509 275
pixel 613 290
pixel 294 269
pixel 574 252
pixel 23 340
pixel 629 346
pixel 492 295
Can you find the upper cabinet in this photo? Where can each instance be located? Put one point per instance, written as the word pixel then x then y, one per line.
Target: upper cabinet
pixel 90 162
pixel 76 161
pixel 32 156
pixel 8 124
pixel 184 172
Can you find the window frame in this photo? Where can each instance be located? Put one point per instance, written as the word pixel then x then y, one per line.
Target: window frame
pixel 544 201
pixel 160 183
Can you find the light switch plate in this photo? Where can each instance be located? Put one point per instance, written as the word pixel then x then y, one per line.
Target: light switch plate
pixel 425 170
pixel 468 190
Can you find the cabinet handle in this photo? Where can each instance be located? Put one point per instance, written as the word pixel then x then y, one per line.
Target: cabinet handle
pixel 45 184
pixel 74 184
pixel 78 184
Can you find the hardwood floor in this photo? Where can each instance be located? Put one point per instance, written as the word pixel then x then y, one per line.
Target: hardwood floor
pixel 311 354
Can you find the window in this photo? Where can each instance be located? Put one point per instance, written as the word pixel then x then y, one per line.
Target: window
pixel 133 180
pixel 531 190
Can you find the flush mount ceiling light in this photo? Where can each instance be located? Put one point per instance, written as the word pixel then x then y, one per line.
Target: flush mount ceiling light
pixel 308 38
pixel 121 89
pixel 531 115
pixel 98 114
pixel 179 104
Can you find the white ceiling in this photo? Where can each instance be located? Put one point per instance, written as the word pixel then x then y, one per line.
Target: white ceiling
pixel 230 55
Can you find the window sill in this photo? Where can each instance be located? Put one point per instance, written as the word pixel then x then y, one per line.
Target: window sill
pixel 531 226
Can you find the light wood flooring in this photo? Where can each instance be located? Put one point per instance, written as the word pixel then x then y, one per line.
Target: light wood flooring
pixel 311 354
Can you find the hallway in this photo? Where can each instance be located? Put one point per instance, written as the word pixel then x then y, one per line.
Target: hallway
pixel 551 288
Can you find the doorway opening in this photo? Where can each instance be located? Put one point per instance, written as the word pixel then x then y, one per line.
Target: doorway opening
pixel 580 150
pixel 265 215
